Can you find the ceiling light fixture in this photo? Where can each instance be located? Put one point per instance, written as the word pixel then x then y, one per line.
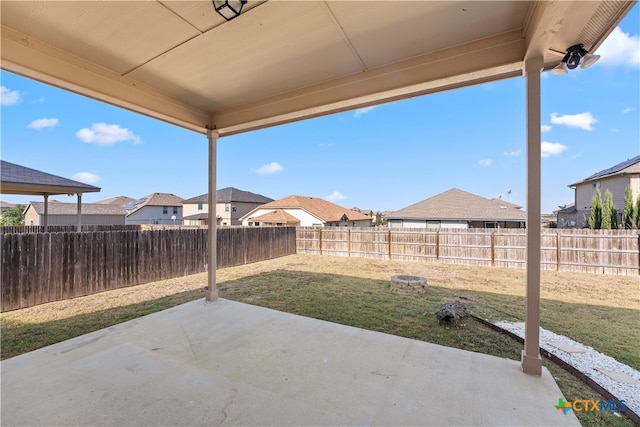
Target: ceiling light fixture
pixel 229 9
pixel 576 55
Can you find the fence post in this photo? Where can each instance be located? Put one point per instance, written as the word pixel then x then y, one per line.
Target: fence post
pixel 320 230
pixel 348 241
pixel 438 245
pixel 389 243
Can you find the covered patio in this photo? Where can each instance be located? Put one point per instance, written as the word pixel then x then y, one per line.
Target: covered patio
pixel 279 62
pixel 229 363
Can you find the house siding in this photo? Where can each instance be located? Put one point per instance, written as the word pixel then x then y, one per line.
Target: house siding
pixel 31 217
pixel 616 185
pixel 154 215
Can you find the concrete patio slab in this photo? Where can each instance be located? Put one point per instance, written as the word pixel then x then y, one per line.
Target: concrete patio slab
pixel 229 363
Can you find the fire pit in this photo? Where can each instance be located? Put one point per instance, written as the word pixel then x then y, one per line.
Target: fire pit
pixel 408 284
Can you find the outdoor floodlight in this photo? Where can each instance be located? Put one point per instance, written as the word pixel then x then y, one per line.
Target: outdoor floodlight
pixel 228 9
pixel 576 55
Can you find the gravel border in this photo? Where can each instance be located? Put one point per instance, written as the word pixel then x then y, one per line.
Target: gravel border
pixel 588 363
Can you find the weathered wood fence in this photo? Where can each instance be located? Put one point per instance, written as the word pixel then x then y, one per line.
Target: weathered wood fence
pixel 42 267
pixel 586 251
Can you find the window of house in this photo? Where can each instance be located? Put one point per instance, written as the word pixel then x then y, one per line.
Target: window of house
pixel 227 206
pixel 233 208
pixel 199 206
pixel 165 209
pixel 175 209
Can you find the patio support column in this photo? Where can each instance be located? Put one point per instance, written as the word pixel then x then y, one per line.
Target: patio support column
pixel 45 221
pixel 212 290
pixel 79 229
pixel 531 361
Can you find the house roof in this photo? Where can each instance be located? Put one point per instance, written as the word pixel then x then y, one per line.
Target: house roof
pixel 229 195
pixel 627 167
pixel 61 208
pixel 568 208
pixel 184 64
pixel 456 204
pixel 119 200
pixel 6 205
pixel 279 216
pixel 155 199
pixel 16 179
pixel 320 208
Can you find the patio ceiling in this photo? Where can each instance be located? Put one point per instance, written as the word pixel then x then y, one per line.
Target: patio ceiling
pixel 282 61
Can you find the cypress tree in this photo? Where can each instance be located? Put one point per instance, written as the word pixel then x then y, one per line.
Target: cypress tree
pixel 628 212
pixel 595 217
pixel 636 212
pixel 607 206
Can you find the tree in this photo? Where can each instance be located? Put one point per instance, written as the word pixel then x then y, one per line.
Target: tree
pixel 628 212
pixel 13 216
pixel 609 212
pixel 636 212
pixel 595 218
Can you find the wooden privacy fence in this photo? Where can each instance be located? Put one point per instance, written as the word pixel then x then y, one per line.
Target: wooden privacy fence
pixel 43 267
pixel 585 251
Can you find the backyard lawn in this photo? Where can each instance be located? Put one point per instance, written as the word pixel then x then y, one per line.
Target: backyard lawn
pixel 599 311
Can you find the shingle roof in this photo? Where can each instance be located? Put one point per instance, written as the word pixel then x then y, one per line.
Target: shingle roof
pixel 456 204
pixel 628 166
pixel 16 179
pixel 320 208
pixel 231 194
pixel 119 200
pixel 155 199
pixel 61 208
pixel 279 216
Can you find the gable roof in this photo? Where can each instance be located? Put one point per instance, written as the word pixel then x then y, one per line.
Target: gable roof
pixel 279 216
pixel 456 204
pixel 320 208
pixel 16 179
pixel 231 194
pixel 628 166
pixel 119 200
pixel 61 208
pixel 155 199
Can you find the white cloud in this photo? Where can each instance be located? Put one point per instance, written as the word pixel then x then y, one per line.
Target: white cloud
pixel 628 110
pixel 43 123
pixel 548 149
pixel 620 49
pixel 580 121
pixel 512 153
pixel 105 134
pixel 545 128
pixel 86 177
pixel 335 196
pixel 269 168
pixel 9 97
pixel 362 111
pixel 485 162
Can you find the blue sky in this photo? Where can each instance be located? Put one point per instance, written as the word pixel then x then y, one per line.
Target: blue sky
pixel 381 158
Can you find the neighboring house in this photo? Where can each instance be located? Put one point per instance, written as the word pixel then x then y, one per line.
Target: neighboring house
pixel 60 213
pixel 304 211
pixel 566 216
pixel 156 208
pixel 118 201
pixel 231 204
pixel 615 179
pixel 458 209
